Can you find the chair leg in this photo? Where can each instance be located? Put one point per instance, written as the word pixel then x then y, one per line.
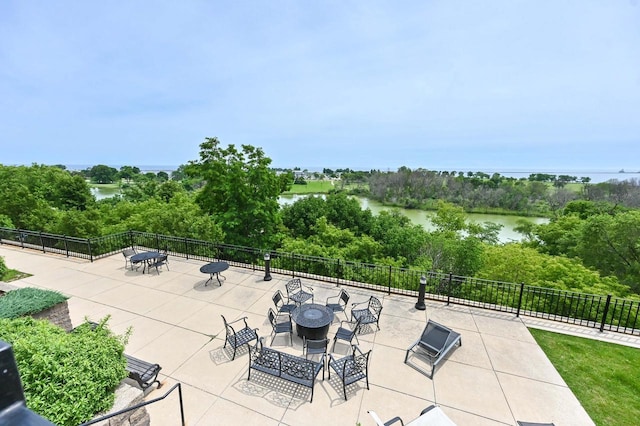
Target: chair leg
pixel 344 388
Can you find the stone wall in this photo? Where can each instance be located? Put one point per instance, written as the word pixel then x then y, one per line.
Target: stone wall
pixel 58 315
pixel 127 396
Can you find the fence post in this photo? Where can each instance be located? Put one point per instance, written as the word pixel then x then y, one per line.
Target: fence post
pixel 42 242
pixel 606 311
pixel 449 288
pixel 186 247
pixel 520 299
pixel 338 274
pixel 90 252
pixel 131 238
pixel 66 246
pixel 389 284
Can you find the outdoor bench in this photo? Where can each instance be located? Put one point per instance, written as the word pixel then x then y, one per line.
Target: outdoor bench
pixel 142 372
pixel 285 366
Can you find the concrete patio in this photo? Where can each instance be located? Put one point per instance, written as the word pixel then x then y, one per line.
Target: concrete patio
pixel 498 375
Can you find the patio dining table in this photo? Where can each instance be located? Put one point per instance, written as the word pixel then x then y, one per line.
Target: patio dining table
pixel 145 257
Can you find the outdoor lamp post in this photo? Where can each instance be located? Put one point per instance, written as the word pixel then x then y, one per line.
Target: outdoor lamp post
pixel 420 303
pixel 267 265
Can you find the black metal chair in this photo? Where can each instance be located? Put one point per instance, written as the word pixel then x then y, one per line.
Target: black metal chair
pixel 280 325
pixel 350 368
pixel 161 260
pixel 298 293
pixel 435 342
pixel 281 307
pixel 239 338
pixel 314 347
pixel 369 314
pixel 347 333
pixel 340 305
pixel 127 253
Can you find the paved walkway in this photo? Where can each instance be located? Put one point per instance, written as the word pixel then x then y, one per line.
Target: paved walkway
pixel 498 375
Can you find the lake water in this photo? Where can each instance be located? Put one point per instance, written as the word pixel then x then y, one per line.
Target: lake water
pixel 422 217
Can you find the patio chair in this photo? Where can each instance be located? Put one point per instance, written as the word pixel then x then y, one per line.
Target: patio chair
pixel 430 415
pixel 340 305
pixel 279 325
pixel 350 368
pixel 346 333
pixel 435 342
pixel 281 307
pixel 160 261
pixel 314 347
pixel 242 337
pixel 127 253
pixel 369 314
pixel 298 293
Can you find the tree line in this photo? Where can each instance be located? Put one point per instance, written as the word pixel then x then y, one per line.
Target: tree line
pixel 230 195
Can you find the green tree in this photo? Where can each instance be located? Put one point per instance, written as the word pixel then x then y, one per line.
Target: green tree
pixel 241 192
pixel 103 174
pixel 128 173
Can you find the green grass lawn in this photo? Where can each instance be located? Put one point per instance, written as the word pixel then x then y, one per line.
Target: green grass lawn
pixel 312 187
pixel 605 377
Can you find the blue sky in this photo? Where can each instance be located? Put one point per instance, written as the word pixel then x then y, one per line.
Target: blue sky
pixel 464 85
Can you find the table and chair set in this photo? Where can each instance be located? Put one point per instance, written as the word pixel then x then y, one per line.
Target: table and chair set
pixel 146 259
pixel 156 259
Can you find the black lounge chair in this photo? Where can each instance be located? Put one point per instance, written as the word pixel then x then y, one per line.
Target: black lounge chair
pixel 435 342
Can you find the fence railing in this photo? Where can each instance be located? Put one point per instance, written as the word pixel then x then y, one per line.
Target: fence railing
pixel 604 312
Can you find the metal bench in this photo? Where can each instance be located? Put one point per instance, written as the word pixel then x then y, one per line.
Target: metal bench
pixel 286 366
pixel 143 372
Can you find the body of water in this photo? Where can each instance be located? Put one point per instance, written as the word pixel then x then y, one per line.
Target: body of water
pixel 422 217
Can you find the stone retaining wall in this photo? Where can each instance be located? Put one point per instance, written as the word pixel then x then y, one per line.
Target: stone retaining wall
pixel 127 396
pixel 58 315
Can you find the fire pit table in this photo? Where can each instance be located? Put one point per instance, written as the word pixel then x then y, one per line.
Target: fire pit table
pixel 312 320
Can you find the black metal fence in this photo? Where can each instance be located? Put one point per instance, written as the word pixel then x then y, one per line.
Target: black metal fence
pixel 604 312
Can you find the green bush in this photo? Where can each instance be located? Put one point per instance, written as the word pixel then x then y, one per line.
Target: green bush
pixel 3 267
pixel 28 300
pixel 67 377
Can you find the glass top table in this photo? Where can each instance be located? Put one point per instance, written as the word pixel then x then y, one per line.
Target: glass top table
pixel 312 320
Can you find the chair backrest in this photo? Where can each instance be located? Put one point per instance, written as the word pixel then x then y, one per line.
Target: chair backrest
pixel 228 328
pixel 375 306
pixel 344 297
pixel 315 346
pixel 278 299
pixel 128 252
pixel 272 318
pixel 294 286
pixel 434 336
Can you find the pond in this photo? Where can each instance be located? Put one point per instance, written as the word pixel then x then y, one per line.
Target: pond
pixel 422 217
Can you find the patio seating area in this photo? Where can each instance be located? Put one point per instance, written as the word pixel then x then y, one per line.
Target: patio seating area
pixel 499 375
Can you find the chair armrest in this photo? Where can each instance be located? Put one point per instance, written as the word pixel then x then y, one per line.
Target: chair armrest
pixel 239 319
pixel 302 286
pixel 429 408
pixel 348 322
pixel 331 297
pixel 353 305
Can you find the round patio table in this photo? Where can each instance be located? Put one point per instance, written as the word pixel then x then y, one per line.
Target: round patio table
pixel 214 268
pixel 144 257
pixel 312 320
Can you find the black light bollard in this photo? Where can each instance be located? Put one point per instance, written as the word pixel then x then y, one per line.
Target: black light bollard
pixel 267 266
pixel 420 303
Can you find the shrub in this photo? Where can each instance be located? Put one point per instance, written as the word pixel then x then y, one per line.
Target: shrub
pixel 67 377
pixel 28 300
pixel 3 267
